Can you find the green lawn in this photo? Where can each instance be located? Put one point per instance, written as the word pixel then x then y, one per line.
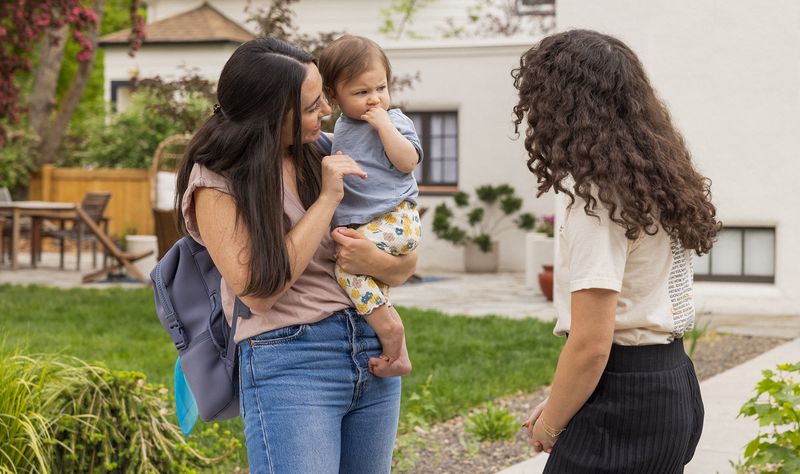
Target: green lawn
pixel 471 360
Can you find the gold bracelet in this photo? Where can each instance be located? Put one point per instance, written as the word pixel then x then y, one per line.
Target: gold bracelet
pixel 549 430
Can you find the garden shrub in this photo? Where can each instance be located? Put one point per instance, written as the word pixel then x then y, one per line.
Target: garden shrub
pixel 495 204
pixel 776 406
pixel 90 419
pixel 25 433
pixel 128 139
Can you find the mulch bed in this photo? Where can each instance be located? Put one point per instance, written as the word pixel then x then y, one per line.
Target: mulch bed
pixel 446 451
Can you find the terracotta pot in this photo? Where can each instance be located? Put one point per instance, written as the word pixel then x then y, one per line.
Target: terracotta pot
pixel 546 281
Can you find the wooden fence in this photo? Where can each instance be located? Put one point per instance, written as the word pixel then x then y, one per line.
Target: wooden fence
pixel 129 208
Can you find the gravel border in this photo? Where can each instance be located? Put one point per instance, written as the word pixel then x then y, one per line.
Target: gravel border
pixel 447 451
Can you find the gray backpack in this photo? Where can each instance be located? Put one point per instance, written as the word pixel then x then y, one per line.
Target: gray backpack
pixel 187 293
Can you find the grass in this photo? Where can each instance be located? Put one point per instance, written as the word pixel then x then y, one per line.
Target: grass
pixel 471 360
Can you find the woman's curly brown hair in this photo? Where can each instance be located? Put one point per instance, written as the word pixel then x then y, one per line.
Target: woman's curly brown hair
pixel 593 115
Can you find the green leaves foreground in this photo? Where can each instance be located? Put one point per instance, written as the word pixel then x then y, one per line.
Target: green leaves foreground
pixel 64 415
pixel 776 406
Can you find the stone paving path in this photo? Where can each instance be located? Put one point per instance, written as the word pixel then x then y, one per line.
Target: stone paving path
pixel 48 273
pixel 476 295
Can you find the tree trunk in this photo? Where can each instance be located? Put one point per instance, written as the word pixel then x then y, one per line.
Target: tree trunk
pixel 52 141
pixel 43 94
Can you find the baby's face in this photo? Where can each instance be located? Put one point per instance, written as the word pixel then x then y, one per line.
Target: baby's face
pixel 365 91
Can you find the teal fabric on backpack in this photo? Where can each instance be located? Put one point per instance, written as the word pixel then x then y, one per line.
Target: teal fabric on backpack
pixel 185 405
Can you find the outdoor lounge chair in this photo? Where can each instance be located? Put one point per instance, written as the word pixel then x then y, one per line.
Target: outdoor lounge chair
pixel 123 259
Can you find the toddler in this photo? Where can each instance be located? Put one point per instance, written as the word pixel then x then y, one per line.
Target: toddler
pixel 356 75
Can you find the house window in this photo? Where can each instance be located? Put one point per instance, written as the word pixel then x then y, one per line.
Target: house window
pixel 438 133
pixel 745 254
pixel 120 95
pixel 536 7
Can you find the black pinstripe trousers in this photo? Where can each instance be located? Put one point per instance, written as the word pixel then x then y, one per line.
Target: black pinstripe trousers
pixel 645 416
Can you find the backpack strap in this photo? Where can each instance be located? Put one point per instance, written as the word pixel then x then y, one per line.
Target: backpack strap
pixel 240 310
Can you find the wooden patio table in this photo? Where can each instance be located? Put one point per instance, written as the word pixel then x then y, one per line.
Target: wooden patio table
pixel 38 210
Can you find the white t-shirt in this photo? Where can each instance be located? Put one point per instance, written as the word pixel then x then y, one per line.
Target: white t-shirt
pixel 652 274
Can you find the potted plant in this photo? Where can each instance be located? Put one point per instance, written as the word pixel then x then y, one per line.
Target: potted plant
pixel 495 205
pixel 539 249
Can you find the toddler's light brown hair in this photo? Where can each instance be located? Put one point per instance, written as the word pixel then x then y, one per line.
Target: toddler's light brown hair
pixel 347 57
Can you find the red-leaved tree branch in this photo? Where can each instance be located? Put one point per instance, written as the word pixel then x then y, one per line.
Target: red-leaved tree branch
pixel 26 25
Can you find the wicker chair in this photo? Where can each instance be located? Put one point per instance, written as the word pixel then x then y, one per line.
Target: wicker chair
pixel 162 189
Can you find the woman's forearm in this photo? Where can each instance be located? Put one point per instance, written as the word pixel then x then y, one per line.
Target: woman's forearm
pixel 584 356
pixel 393 270
pixel 578 371
pixel 303 241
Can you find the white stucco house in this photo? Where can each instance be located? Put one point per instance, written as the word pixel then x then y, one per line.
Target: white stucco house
pixel 727 70
pixel 730 74
pixel 461 105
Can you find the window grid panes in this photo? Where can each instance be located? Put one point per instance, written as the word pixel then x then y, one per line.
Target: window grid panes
pixel 745 254
pixel 438 133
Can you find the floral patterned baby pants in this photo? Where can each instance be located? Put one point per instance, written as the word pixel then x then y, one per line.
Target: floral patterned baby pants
pixel 397 232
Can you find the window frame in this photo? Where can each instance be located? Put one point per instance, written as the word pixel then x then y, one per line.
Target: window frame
pixel 428 188
pixel 539 8
pixel 742 277
pixel 115 86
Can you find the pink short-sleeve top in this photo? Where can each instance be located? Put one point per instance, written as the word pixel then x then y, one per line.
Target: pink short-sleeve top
pixel 314 295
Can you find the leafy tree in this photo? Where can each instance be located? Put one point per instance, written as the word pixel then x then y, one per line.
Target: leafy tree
pixel 39 29
pixel 158 109
pixel 399 16
pixel 277 21
pixel 498 18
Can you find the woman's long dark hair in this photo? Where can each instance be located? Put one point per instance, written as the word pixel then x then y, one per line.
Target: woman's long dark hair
pixel 259 85
pixel 593 115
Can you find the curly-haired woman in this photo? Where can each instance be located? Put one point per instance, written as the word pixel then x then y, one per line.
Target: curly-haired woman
pixel 625 396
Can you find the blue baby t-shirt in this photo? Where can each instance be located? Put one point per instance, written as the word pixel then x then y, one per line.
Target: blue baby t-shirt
pixel 385 186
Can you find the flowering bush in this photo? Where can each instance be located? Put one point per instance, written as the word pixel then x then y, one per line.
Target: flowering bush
pixel 547 226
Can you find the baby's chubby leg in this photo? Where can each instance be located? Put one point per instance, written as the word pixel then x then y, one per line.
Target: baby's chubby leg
pixel 370 301
pixel 394 360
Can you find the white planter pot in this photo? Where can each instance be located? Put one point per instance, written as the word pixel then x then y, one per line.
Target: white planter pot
pixel 539 251
pixel 477 261
pixel 143 243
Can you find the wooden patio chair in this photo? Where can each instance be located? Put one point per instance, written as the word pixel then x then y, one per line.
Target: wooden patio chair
pixel 94 205
pixel 162 189
pixel 123 259
pixel 5 226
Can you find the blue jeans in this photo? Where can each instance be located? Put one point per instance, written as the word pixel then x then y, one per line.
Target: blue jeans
pixel 309 403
